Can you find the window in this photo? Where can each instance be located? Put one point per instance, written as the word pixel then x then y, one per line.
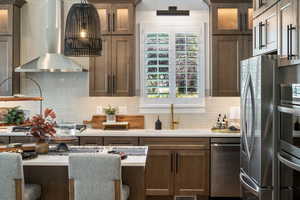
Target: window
pixel 172 67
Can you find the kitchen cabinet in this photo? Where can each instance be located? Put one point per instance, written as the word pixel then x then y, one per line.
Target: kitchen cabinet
pixel 113 74
pixel 116 18
pixel 91 141
pixel 260 6
pixel 265 32
pixel 177 166
pixel 229 18
pixel 23 139
pixel 10 46
pixel 4 140
pixel 288 29
pixel 121 141
pixel 227 53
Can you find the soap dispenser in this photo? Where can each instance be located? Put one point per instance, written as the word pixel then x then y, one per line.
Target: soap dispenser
pixel 158 124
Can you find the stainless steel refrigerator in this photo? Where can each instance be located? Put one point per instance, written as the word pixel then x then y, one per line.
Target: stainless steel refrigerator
pixel 257 152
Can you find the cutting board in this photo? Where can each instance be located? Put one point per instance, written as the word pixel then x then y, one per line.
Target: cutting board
pixel 134 121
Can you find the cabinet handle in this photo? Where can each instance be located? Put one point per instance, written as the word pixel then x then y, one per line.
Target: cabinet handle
pixel 108 22
pixel 172 162
pixel 113 21
pixel 113 84
pixel 177 162
pixel 288 42
pixel 261 45
pixel 291 40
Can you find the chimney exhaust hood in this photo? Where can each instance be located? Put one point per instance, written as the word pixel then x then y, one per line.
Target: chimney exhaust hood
pixel 53 60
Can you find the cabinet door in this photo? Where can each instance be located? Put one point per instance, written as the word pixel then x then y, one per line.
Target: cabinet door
pixel 227 19
pixel 122 19
pixel 91 141
pixel 287 17
pixel 6 16
pixel 227 51
pixel 159 173
pixel 247 50
pixel 4 140
pixel 105 15
pixel 100 71
pixel 6 66
pixel 22 139
pixel 265 32
pixel 121 141
pixel 260 6
pixel 122 65
pixel 192 172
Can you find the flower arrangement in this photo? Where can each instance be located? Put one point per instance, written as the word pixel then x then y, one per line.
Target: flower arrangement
pixel 110 110
pixel 43 126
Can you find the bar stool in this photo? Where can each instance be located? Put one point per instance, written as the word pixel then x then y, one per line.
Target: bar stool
pixel 96 177
pixel 12 180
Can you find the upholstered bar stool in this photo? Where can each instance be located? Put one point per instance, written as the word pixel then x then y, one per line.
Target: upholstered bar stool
pixel 96 177
pixel 12 180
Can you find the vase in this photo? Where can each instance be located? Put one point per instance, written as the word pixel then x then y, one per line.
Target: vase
pixel 42 147
pixel 110 118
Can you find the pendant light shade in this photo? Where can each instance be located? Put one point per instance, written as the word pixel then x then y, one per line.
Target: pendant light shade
pixel 82 34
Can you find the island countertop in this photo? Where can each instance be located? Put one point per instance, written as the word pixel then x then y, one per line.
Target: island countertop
pixel 139 133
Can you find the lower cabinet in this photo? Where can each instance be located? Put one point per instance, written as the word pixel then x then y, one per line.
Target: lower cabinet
pixel 121 141
pixel 4 140
pixel 91 141
pixel 177 169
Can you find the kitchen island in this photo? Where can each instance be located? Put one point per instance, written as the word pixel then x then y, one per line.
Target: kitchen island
pixel 51 172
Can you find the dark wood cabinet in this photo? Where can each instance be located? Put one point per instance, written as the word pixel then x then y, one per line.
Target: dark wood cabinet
pixel 159 173
pixel 113 74
pixel 232 18
pixel 22 139
pixel 116 18
pixel 121 141
pixel 4 140
pixel 191 172
pixel 265 32
pixel 177 166
pixel 228 51
pixel 10 46
pixel 91 141
pixel 288 29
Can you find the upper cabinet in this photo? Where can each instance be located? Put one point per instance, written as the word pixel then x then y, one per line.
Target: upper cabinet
pixel 288 29
pixel 260 6
pixel 9 46
pixel 265 32
pixel 113 73
pixel 6 19
pixel 116 18
pixel 229 18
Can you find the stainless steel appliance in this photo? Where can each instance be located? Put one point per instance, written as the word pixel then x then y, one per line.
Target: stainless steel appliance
pixel 257 150
pixel 225 167
pixel 289 136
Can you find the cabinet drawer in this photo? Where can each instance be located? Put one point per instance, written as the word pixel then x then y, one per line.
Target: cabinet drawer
pixel 4 140
pixel 91 141
pixel 22 139
pixel 175 143
pixel 121 141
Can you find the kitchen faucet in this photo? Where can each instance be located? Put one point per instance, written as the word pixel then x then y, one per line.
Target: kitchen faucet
pixel 173 122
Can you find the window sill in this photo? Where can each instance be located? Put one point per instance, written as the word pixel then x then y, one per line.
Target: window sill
pixel 165 108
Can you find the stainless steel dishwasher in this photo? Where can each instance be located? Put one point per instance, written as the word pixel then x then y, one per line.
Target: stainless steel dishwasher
pixel 225 167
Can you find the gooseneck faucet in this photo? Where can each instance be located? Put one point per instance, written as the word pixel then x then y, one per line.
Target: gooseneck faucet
pixel 173 122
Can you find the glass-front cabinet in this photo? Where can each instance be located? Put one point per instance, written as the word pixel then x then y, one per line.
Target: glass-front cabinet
pixel 232 18
pixel 172 65
pixel 6 19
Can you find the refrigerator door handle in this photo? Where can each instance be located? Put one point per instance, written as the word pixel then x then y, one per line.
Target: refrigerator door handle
pixel 288 163
pixel 247 183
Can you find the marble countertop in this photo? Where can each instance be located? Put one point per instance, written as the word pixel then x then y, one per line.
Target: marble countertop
pixel 138 133
pixel 63 160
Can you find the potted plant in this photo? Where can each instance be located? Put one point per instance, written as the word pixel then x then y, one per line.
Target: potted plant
pixel 42 127
pixel 110 112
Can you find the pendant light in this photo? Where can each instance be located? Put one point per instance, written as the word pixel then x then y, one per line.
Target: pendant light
pixel 82 34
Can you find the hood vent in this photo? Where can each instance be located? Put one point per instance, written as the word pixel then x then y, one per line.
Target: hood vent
pixel 172 11
pixel 53 60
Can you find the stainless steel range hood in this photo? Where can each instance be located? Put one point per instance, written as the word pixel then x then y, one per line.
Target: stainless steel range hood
pixel 53 60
